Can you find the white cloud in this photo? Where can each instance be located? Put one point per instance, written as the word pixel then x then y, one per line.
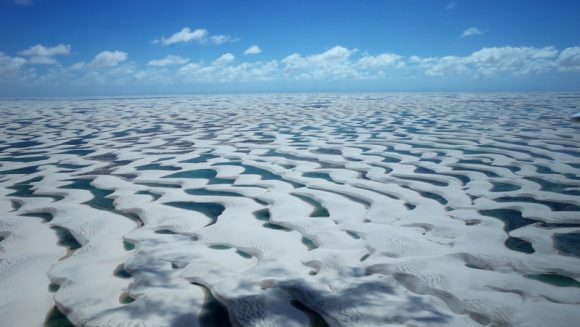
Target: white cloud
pixel 569 59
pixel 512 60
pixel 109 58
pixel 220 39
pixel 78 65
pixel 254 49
pixel 10 65
pixel 41 61
pixel 331 64
pixel 119 74
pixel 41 55
pixel 451 5
pixel 40 50
pixel 444 66
pixel 200 35
pixel 243 72
pixel 225 59
pixel 381 61
pixel 490 62
pixel 184 36
pixel 168 61
pixel 472 31
pixel 336 63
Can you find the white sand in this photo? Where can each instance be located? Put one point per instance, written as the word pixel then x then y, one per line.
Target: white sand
pixel 391 232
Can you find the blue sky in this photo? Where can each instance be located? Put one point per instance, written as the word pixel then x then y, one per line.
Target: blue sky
pixel 74 47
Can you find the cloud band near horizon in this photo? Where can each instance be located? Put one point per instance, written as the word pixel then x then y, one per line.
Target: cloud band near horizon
pixel 335 64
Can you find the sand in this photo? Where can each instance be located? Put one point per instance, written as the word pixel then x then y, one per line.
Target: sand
pixel 291 210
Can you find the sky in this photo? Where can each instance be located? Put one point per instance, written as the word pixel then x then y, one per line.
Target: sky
pixel 90 47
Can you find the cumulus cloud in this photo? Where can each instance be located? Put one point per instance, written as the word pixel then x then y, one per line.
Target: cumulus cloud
pixel 514 60
pixel 78 65
pixel 254 49
pixel 200 35
pixel 335 64
pixel 42 51
pixel 42 55
pixel 331 64
pixel 168 61
pixel 225 59
pixel 109 58
pixel 381 61
pixel 340 63
pixel 119 74
pixel 10 65
pixel 41 61
pixel 444 66
pixel 490 62
pixel 220 39
pixel 472 31
pixel 184 36
pixel 569 59
pixel 243 72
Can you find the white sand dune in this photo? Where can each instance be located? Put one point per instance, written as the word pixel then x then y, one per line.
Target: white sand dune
pixel 291 210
